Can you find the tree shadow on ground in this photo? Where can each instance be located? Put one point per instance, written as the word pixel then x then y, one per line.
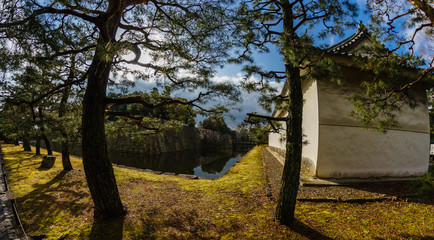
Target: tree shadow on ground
pixel 409 236
pixel 307 231
pixel 51 200
pixel 107 229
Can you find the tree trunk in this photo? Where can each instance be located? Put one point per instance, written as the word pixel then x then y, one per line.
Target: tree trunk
pixel 291 171
pixel 48 161
pixel 26 144
pixel 47 145
pixel 98 168
pixel 66 162
pixel 16 142
pixel 38 146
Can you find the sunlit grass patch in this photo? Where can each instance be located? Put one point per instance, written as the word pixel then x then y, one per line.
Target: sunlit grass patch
pixel 58 205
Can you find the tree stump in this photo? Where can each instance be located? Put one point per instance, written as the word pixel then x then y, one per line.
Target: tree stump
pixel 48 161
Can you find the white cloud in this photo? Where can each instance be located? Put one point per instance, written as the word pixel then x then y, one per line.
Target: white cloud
pixel 239 111
pixel 424 43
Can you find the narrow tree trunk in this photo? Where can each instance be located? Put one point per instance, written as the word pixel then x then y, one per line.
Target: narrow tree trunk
pixel 291 171
pixel 66 162
pixel 26 144
pixel 16 142
pixel 98 168
pixel 47 145
pixel 38 146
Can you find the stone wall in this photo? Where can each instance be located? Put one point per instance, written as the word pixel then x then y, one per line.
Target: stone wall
pixel 187 138
pixel 214 140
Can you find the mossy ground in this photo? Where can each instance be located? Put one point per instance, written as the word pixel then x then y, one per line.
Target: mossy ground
pixel 58 205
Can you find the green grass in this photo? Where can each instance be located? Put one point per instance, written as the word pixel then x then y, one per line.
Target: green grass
pixel 58 205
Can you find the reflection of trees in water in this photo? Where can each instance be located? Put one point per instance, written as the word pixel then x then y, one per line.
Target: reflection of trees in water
pixel 184 162
pixel 215 163
pixel 177 162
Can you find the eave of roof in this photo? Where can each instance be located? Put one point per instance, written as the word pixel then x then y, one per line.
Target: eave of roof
pixel 342 47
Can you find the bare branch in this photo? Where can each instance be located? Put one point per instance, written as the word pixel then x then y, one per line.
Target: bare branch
pixel 138 120
pixel 72 51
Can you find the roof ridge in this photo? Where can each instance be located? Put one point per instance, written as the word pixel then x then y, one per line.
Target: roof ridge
pixel 361 31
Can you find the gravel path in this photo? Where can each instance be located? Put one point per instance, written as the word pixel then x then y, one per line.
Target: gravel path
pixel 348 192
pixel 8 224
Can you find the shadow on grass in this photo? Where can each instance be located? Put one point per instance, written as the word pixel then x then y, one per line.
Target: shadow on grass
pixel 307 231
pixel 52 201
pixel 107 229
pixel 409 236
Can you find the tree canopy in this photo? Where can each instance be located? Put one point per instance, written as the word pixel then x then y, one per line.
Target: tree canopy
pixel 175 44
pixel 289 25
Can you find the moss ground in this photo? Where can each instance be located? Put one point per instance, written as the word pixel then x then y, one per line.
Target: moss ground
pixel 57 205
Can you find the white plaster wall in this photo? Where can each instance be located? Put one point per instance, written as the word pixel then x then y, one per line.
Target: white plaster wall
pixel 275 140
pixel 310 125
pixel 335 108
pixel 356 152
pixel 346 149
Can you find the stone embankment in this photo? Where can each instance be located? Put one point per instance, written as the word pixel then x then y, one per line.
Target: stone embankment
pixel 187 138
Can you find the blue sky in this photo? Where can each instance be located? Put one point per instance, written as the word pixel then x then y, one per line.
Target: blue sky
pixel 270 61
pixel 233 73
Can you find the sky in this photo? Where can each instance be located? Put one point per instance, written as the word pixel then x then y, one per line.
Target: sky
pixel 234 74
pixel 271 60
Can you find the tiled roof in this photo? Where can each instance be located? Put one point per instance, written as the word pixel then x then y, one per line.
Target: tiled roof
pixel 344 46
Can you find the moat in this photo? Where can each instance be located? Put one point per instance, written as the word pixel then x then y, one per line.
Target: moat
pixel 204 164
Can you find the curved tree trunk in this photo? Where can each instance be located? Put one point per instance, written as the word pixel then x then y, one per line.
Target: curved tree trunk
pixel 291 171
pixel 47 145
pixel 38 146
pixel 98 168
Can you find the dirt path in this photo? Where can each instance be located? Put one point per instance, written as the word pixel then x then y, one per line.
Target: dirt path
pixel 355 191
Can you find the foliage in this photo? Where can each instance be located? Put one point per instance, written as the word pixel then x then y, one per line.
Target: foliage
pixel 425 185
pixel 294 27
pixel 406 27
pixel 176 44
pixel 259 134
pixel 15 122
pixel 258 129
pixel 430 95
pixel 183 113
pixel 216 123
pixel 387 89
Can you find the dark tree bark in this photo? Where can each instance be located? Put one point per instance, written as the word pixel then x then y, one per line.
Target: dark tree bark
pixel 26 144
pixel 38 146
pixel 47 145
pixel 98 168
pixel 66 162
pixel 43 136
pixel 291 171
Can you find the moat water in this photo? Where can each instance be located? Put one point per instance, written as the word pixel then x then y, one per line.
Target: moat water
pixel 204 164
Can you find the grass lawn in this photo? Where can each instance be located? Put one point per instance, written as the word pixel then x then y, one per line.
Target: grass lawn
pixel 58 205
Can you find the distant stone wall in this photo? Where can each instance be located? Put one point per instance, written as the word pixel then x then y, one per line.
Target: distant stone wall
pixel 213 140
pixel 187 138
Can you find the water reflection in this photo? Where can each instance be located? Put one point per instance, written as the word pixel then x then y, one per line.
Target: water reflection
pixel 202 164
